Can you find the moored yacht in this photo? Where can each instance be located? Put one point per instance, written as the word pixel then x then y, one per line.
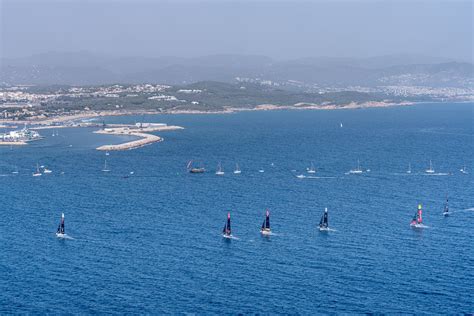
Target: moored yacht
pixel 237 169
pixel 37 173
pixel 430 170
pixel 357 170
pixel 311 169
pixel 220 171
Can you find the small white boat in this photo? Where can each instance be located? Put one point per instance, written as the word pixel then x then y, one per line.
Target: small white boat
pixel 341 124
pixel 107 153
pixel 265 229
pixel 226 231
pixel 237 169
pixel 38 172
pixel 261 171
pixel 15 171
pixel 312 169
pixel 430 169
pixel 46 170
pixel 220 171
pixel 357 170
pixel 301 176
pixel 106 169
pixel 409 168
pixel 463 170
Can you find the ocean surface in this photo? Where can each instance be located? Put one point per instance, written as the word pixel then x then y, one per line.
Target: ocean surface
pixel 150 242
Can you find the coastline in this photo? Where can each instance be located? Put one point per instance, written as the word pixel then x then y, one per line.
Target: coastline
pixel 43 123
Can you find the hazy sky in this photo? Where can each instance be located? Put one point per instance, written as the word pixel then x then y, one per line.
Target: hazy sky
pixel 280 29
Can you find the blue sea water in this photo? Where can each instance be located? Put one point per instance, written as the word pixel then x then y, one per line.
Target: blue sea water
pixel 151 242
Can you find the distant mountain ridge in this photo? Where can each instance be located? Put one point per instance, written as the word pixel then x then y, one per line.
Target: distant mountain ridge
pixel 84 68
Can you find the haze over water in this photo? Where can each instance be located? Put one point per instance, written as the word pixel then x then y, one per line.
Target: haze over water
pixel 151 243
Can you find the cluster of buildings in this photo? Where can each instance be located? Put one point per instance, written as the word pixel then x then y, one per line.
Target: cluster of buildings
pixel 22 135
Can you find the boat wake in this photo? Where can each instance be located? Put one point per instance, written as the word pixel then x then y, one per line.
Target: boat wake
pixel 436 174
pixel 64 236
pixel 230 237
pixel 419 226
pixel 471 209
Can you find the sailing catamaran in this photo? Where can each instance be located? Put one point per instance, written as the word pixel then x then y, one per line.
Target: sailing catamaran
pixel 237 169
pixel 312 169
pixel 265 230
pixel 358 170
pixel 219 171
pixel 323 223
pixel 38 172
pixel 417 220
pixel 430 169
pixel 192 169
pixel 105 166
pixel 226 232
pixel 446 208
pixel 409 168
pixel 60 232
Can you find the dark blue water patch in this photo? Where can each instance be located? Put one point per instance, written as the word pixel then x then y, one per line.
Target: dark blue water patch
pixel 149 242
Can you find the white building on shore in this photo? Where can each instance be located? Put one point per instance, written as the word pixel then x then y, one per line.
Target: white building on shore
pixel 22 135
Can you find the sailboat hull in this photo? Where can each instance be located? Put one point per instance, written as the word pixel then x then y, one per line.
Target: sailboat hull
pixel 266 231
pixel 323 229
pixel 227 236
pixel 445 213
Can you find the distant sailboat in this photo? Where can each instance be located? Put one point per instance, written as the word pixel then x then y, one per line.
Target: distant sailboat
pixel 220 171
pixel 237 169
pixel 226 231
pixel 60 233
pixel 430 169
pixel 312 169
pixel 323 223
pixel 357 170
pixel 38 172
pixel 417 220
pixel 341 124
pixel 46 170
pixel 446 208
pixel 409 168
pixel 192 169
pixel 106 169
pixel 15 171
pixel 463 169
pixel 265 230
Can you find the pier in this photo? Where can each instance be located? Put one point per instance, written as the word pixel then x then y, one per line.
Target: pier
pixel 141 132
